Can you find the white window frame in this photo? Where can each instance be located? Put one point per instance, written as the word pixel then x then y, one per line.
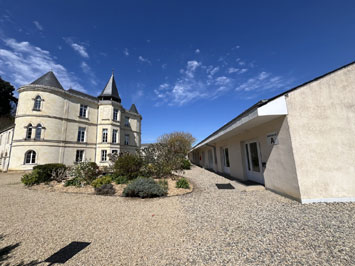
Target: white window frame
pixel 103 155
pixel 114 135
pixel 37 103
pixel 104 135
pixel 32 158
pixel 82 137
pixel 38 129
pixel 78 157
pixel 29 131
pixel 83 111
pixel 115 114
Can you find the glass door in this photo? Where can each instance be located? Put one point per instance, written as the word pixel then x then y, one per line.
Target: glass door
pixel 253 162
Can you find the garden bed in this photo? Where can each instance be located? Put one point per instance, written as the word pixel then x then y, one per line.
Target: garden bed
pixel 54 186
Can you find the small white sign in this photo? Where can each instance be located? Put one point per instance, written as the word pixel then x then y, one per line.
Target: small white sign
pixel 272 139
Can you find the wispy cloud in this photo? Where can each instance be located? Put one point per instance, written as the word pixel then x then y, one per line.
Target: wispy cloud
pixel 197 51
pixel 38 25
pixel 88 71
pixel 126 52
pixel 23 63
pixel 197 81
pixel 79 48
pixel 144 60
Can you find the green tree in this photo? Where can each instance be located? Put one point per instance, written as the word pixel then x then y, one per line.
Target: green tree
pixel 7 100
pixel 178 142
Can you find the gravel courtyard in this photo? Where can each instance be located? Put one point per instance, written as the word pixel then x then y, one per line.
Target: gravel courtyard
pixel 207 227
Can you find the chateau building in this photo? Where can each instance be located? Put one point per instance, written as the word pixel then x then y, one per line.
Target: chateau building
pixel 54 125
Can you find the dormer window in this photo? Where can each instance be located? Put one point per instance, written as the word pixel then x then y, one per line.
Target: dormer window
pixel 37 103
pixel 83 111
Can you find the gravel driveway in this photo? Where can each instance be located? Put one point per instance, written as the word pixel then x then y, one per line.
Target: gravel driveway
pixel 206 227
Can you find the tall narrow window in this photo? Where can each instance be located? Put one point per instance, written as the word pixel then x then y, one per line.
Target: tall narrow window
pixel 104 155
pixel 126 139
pixel 83 110
pixel 104 135
pixel 79 156
pixel 8 137
pixel 37 103
pixel 81 134
pixel 0 139
pixel 29 131
pixel 114 136
pixel 115 114
pixel 38 132
pixel 30 157
pixel 114 151
pixel 126 121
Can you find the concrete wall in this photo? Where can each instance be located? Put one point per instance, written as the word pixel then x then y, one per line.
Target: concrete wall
pixel 322 127
pixel 5 148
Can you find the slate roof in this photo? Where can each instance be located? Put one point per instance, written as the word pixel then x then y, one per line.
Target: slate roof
pixel 81 94
pixel 133 109
pixel 48 79
pixel 110 91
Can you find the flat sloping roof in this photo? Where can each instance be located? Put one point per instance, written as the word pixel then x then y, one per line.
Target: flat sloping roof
pixel 263 102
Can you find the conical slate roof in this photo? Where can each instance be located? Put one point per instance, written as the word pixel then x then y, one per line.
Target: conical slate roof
pixel 110 91
pixel 48 79
pixel 133 109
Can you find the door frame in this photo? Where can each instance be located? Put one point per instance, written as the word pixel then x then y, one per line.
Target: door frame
pixel 250 174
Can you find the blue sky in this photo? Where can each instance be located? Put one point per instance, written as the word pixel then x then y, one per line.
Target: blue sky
pixel 187 65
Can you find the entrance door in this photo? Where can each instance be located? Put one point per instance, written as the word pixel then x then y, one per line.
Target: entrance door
pixel 253 162
pixel 225 160
pixel 210 159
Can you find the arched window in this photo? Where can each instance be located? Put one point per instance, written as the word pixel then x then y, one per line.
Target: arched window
pixel 30 157
pixel 38 131
pixel 37 104
pixel 29 131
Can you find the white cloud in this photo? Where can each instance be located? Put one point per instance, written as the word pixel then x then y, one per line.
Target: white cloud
pixel 237 70
pixel 80 49
pixel 126 52
pixel 38 25
pixel 144 60
pixel 261 82
pixel 88 71
pixel 24 63
pixel 197 51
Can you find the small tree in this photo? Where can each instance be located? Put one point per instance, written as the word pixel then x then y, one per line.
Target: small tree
pixel 7 99
pixel 127 164
pixel 178 142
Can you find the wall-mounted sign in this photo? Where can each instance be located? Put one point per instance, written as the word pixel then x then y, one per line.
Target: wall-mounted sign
pixel 272 139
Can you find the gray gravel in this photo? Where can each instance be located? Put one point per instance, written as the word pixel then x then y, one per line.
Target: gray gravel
pixel 206 227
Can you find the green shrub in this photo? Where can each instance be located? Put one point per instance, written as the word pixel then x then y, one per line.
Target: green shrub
pixel 85 172
pixel 164 184
pixel 144 188
pixel 30 179
pixel 185 164
pixel 105 189
pixel 76 182
pixel 128 165
pixel 182 183
pixel 47 171
pixel 98 182
pixel 119 179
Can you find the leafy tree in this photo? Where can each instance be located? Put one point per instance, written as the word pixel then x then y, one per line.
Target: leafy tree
pixel 7 99
pixel 178 142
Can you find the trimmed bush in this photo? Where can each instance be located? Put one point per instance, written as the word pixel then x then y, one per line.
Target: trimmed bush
pixel 144 188
pixel 76 182
pixel 164 184
pixel 30 179
pixel 46 171
pixel 119 179
pixel 182 183
pixel 105 189
pixel 185 164
pixel 128 165
pixel 98 182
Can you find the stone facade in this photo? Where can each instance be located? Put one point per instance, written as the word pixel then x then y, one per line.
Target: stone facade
pixel 54 125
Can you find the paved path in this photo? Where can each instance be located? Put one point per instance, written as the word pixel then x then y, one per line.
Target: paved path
pixel 206 227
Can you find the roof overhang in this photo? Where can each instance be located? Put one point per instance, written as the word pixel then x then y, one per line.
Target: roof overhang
pixel 255 117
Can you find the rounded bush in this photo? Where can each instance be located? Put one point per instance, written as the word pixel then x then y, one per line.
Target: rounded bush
pixel 31 179
pixel 105 189
pixel 186 165
pixel 76 182
pixel 98 182
pixel 45 171
pixel 144 188
pixel 182 183
pixel 119 179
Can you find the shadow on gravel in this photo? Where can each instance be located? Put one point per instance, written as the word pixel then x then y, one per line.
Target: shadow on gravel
pixel 66 253
pixel 5 255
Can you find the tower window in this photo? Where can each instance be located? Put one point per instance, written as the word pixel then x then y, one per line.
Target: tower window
pixel 104 135
pixel 115 114
pixel 37 103
pixel 38 132
pixel 30 157
pixel 29 131
pixel 79 156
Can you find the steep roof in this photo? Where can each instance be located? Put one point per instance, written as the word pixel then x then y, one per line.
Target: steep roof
pixel 48 79
pixel 133 109
pixel 110 91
